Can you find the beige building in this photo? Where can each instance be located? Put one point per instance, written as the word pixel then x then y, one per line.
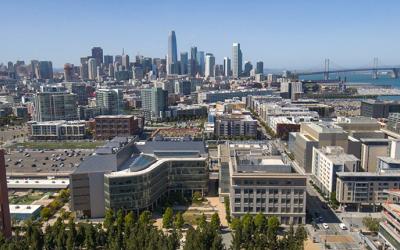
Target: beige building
pixel 371 149
pixel 361 189
pixel 315 135
pixel 257 181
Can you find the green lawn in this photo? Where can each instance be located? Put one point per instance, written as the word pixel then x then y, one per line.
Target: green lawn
pixel 60 144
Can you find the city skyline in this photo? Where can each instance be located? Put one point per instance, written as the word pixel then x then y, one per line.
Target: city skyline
pixel 300 37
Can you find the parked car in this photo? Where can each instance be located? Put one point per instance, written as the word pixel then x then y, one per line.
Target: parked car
pixel 324 225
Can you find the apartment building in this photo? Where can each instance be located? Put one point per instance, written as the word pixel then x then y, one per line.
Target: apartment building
pixel 364 189
pixel 389 228
pixel 109 126
pixel 327 162
pixel 235 125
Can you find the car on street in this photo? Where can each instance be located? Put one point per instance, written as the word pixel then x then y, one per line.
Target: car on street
pixel 342 226
pixel 324 225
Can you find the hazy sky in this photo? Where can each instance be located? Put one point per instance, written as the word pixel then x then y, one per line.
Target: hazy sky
pixel 284 34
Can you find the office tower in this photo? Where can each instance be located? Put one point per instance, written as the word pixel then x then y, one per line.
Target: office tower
pixel 260 68
pixel 182 87
pixel 44 70
pixel 227 66
pixel 111 70
pixel 98 73
pixel 210 64
pixel 108 59
pixel 154 102
pixel 5 218
pixel 10 67
pixel 55 104
pixel 34 65
pixel 92 69
pixel 118 59
pixel 68 72
pixel 110 101
pixel 193 61
pixel 147 64
pixel 97 53
pixel 137 72
pixel 219 70
pixel 184 63
pixel 80 90
pixel 247 68
pixel 84 69
pixel 172 57
pixel 201 63
pixel 237 60
pixel 125 62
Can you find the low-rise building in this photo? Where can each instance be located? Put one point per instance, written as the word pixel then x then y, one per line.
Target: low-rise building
pixel 389 228
pixel 235 125
pixel 134 176
pixel 25 212
pixel 109 126
pixel 57 130
pixel 257 181
pixel 360 189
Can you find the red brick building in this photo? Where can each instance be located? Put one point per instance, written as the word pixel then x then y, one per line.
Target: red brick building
pixel 5 219
pixel 109 126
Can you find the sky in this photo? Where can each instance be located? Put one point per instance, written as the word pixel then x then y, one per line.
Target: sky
pixel 295 34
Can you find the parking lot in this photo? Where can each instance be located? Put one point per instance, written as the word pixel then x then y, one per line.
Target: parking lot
pixel 50 162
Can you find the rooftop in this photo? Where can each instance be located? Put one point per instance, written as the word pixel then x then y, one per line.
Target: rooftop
pixel 23 209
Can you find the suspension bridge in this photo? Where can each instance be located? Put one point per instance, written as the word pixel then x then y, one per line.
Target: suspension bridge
pixel 394 70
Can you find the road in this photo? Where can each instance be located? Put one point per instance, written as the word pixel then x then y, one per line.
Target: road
pixel 336 237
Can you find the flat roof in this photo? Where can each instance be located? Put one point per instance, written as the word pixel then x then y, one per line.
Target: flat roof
pixel 23 209
pixel 37 183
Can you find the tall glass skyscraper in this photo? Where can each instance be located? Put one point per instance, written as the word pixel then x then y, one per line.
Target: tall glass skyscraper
pixel 172 57
pixel 236 60
pixel 201 62
pixel 193 61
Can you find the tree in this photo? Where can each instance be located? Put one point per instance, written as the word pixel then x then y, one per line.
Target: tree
pixel 109 218
pixel 260 222
pixel 272 231
pixel 372 224
pixel 168 218
pixel 71 234
pixel 45 213
pixel 179 221
pixel 227 209
pixel 215 222
pixel 144 218
pixel 197 197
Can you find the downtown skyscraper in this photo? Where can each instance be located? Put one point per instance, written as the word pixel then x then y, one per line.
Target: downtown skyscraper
pixel 236 60
pixel 172 57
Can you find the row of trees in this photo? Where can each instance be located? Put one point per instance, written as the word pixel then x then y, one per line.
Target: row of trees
pixel 118 231
pixel 260 232
pixel 125 231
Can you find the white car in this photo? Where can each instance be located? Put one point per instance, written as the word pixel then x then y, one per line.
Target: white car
pixel 342 226
pixel 324 225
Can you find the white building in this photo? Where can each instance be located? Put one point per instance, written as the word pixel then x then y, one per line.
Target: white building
pixel 57 130
pixel 210 65
pixel 92 69
pixel 329 160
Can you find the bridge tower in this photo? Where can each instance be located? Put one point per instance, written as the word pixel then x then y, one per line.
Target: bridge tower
pixel 395 73
pixel 375 69
pixel 326 71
